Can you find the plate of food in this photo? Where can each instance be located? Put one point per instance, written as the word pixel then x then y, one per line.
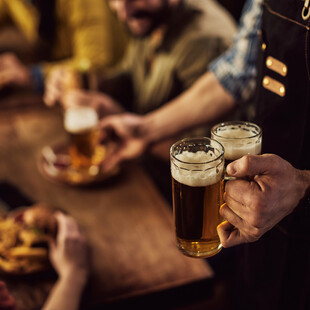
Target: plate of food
pixel 56 164
pixel 24 237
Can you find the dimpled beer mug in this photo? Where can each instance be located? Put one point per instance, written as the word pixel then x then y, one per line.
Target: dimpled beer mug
pixel 81 122
pixel 239 138
pixel 197 169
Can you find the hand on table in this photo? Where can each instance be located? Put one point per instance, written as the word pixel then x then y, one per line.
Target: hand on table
pixel 266 190
pixel 130 142
pixel 13 72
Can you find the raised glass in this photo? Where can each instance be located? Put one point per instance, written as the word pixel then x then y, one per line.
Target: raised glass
pixel 81 122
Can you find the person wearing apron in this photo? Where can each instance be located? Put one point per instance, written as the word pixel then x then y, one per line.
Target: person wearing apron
pixel 276 269
pixel 270 59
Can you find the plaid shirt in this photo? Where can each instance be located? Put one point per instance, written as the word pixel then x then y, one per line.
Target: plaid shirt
pixel 236 68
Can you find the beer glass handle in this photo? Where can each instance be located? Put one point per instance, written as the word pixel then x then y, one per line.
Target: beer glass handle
pixel 229 178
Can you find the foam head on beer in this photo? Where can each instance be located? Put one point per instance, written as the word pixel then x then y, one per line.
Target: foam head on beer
pixel 201 169
pixel 238 141
pixel 79 119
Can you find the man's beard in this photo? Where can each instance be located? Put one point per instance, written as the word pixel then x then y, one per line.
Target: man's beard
pixel 157 19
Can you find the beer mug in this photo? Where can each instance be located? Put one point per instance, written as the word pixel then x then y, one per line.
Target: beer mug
pixel 81 122
pixel 197 169
pixel 239 138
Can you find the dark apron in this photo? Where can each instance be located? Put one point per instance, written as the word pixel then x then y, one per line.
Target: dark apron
pixel 274 272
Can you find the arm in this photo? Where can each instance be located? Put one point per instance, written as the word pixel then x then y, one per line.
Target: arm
pixel 69 256
pixel 110 81
pixel 230 80
pixel 13 72
pixel 214 94
pixel 208 99
pixel 65 87
pixel 137 133
pixel 66 293
pixel 267 189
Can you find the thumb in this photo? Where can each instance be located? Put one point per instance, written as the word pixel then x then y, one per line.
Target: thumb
pixel 111 162
pixel 113 125
pixel 107 123
pixel 249 165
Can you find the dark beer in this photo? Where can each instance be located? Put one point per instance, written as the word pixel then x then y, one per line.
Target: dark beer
pixel 196 214
pixel 197 185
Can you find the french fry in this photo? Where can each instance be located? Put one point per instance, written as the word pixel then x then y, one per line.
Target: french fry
pixel 9 266
pixel 27 252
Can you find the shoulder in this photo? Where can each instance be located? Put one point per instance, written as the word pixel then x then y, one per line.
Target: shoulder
pixel 214 20
pixel 198 50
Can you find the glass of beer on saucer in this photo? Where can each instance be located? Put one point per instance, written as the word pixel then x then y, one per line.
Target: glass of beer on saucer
pixel 239 138
pixel 81 122
pixel 197 169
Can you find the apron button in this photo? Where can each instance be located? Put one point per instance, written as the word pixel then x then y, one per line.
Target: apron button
pixel 269 63
pixel 266 81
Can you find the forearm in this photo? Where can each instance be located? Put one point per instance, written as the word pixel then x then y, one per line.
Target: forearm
pixel 66 293
pixel 204 102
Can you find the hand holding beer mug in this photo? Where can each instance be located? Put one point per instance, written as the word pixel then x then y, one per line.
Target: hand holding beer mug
pixel 239 138
pixel 81 122
pixel 197 169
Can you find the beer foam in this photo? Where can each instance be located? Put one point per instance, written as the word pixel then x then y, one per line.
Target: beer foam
pixel 197 171
pixel 195 158
pixel 79 119
pixel 235 150
pixel 236 133
pixel 238 142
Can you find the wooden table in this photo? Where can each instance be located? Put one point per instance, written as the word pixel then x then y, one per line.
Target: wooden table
pixel 126 221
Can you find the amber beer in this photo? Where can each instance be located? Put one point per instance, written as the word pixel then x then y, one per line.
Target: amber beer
pixel 239 138
pixel 82 125
pixel 197 166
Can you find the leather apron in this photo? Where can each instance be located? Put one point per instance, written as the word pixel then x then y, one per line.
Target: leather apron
pixel 274 272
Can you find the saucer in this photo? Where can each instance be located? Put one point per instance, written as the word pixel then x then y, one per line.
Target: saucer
pixel 55 165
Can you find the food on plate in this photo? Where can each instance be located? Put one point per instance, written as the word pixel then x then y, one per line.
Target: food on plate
pixel 40 216
pixel 24 237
